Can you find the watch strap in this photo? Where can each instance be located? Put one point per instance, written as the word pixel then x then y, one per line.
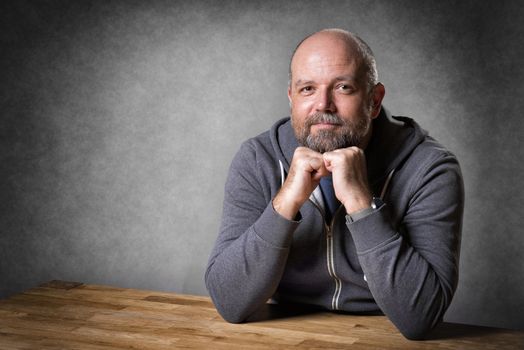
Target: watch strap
pixel 376 203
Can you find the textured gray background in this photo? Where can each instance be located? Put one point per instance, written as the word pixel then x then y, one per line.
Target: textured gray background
pixel 119 120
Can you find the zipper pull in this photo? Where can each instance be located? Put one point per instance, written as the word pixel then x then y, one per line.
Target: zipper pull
pixel 328 231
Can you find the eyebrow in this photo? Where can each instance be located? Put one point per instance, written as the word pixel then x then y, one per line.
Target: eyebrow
pixel 303 82
pixel 345 77
pixel 339 78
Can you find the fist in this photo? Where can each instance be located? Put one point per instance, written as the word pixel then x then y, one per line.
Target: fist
pixel 350 180
pixel 305 172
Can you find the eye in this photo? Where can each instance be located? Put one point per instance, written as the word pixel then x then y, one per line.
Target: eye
pixel 306 90
pixel 345 88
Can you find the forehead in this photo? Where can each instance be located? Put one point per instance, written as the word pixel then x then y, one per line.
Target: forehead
pixel 319 67
pixel 324 57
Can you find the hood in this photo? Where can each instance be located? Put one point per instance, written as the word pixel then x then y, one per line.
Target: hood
pixel 393 139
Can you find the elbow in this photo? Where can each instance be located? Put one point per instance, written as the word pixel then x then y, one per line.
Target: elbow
pixel 417 329
pixel 229 312
pixel 419 322
pixel 416 332
pixel 231 317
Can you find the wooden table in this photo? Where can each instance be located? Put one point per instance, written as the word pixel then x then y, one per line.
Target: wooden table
pixel 68 315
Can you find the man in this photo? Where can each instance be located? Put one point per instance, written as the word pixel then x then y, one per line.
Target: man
pixel 342 205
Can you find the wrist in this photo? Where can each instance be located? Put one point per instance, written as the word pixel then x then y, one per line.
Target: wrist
pixel 376 204
pixel 358 204
pixel 285 207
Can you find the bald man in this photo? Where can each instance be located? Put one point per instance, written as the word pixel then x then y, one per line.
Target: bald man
pixel 341 206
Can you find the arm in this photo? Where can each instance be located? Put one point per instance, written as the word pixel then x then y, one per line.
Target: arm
pixel 412 272
pixel 249 257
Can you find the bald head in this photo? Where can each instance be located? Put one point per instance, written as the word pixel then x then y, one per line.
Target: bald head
pixel 339 43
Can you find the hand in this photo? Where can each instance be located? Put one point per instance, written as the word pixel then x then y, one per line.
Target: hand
pixel 307 167
pixel 350 180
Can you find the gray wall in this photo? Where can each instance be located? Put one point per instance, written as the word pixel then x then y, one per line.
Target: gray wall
pixel 119 120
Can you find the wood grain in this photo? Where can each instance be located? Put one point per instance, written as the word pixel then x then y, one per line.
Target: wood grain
pixel 70 315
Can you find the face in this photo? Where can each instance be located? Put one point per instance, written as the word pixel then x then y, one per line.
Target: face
pixel 331 105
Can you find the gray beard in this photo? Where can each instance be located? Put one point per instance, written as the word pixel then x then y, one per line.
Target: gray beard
pixel 346 135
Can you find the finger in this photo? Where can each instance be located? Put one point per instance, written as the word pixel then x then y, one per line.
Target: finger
pixel 321 172
pixel 318 167
pixel 315 163
pixel 330 160
pixel 326 158
pixel 328 164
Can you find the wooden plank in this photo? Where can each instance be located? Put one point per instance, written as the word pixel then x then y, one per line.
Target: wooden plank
pixel 70 315
pixel 61 284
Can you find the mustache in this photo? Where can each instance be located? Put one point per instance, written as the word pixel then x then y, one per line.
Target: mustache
pixel 320 118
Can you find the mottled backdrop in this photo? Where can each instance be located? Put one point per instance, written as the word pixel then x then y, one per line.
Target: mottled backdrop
pixel 119 120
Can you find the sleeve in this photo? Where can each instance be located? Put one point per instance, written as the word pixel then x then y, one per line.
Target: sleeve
pixel 250 254
pixel 412 271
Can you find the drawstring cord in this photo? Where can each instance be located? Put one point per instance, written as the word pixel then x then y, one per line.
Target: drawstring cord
pixel 282 175
pixel 386 184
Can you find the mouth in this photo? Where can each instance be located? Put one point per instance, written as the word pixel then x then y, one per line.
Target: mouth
pixel 325 125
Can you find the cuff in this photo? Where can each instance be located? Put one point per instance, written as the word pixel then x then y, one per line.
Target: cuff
pixel 274 228
pixel 359 214
pixel 371 230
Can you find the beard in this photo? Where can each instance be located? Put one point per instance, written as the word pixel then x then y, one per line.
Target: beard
pixel 347 134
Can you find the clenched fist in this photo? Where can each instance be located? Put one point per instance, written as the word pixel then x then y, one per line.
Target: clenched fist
pixel 305 172
pixel 350 179
pixel 348 166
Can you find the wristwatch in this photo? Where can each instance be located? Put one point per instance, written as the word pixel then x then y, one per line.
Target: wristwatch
pixel 376 203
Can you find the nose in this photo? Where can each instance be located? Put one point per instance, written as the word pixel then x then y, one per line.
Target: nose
pixel 324 101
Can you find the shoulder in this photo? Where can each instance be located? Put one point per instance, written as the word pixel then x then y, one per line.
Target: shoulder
pixel 433 165
pixel 430 151
pixel 256 157
pixel 270 145
pixel 255 169
pixel 256 148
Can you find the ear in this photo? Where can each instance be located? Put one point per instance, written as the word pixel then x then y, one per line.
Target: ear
pixel 289 93
pixel 377 95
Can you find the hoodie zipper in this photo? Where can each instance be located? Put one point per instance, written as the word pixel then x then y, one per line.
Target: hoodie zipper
pixel 330 257
pixel 331 266
pixel 328 229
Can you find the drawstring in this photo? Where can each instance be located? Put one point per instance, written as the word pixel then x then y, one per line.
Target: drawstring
pixel 282 175
pixel 386 184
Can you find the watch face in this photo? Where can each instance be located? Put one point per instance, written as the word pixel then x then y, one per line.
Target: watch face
pixel 376 203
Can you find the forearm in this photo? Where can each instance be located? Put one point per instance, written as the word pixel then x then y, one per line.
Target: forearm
pixel 243 274
pixel 411 290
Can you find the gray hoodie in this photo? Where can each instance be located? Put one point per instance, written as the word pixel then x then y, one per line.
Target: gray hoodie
pixel 400 259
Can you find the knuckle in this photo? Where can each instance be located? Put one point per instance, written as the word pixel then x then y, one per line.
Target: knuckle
pixel 354 152
pixel 357 150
